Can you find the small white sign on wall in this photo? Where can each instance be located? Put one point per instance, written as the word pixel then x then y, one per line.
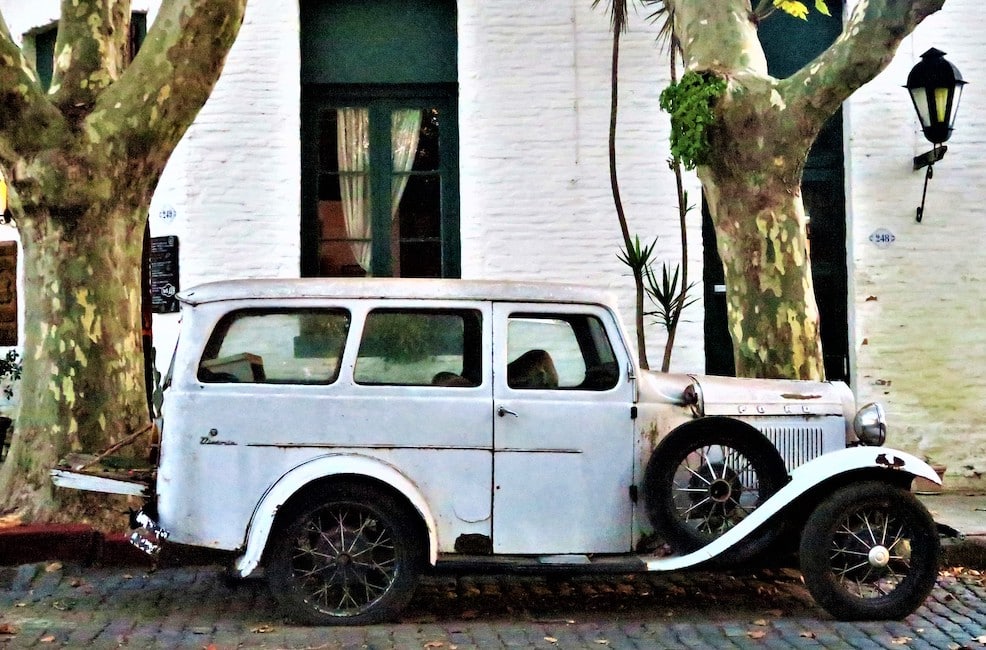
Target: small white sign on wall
pixel 167 213
pixel 882 238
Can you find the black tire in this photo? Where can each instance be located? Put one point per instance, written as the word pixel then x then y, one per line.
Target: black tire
pixel 870 551
pixel 349 558
pixel 707 477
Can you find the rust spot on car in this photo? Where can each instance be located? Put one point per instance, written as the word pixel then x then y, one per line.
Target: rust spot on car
pixel 896 463
pixel 799 396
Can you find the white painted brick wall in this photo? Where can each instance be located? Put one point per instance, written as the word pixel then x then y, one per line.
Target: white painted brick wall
pixel 919 339
pixel 534 117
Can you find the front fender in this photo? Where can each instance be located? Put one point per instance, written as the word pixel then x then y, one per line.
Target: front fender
pixel 262 520
pixel 804 478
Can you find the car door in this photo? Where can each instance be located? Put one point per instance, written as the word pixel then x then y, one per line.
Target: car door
pixel 562 432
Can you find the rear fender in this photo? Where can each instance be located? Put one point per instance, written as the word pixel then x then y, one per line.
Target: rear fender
pixel 262 521
pixel 808 476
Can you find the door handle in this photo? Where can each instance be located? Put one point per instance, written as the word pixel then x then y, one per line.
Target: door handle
pixel 501 411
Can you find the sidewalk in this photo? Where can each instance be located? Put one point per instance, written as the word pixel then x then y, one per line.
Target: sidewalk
pixel 965 514
pixel 961 516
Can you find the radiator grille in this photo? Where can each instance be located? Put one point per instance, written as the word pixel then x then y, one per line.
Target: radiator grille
pixel 796 445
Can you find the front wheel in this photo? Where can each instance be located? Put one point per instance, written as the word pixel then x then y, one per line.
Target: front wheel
pixel 702 481
pixel 870 552
pixel 350 558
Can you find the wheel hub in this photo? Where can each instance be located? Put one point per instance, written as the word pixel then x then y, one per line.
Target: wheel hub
pixel 879 556
pixel 721 491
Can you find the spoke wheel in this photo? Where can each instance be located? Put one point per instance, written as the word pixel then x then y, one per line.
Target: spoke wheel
pixel 347 560
pixel 870 552
pixel 701 482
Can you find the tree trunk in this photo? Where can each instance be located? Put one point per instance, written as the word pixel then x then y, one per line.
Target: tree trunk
pixel 772 314
pixel 82 388
pixel 82 159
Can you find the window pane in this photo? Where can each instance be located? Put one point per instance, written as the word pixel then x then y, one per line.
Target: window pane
pixel 417 251
pixel 420 348
pixel 420 208
pixel 297 347
pixel 328 155
pixel 428 157
pixel 420 260
pixel 548 351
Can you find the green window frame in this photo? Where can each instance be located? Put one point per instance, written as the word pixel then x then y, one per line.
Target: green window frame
pixel 401 242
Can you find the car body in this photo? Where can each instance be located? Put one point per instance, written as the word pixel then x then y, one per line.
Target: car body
pixel 470 421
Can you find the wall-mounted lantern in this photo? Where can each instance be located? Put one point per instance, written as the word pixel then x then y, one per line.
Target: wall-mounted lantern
pixel 936 87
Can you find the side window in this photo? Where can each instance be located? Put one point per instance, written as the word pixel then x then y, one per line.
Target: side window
pixel 297 346
pixel 413 347
pixel 562 351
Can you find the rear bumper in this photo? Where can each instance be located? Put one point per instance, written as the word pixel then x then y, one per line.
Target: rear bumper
pixel 147 535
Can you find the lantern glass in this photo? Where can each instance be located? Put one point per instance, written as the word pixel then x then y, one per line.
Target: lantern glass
pixel 955 103
pixel 920 98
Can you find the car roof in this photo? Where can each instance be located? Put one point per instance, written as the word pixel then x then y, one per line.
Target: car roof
pixel 400 288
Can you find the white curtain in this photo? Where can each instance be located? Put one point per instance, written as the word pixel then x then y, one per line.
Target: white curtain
pixel 353 138
pixel 405 125
pixel 353 126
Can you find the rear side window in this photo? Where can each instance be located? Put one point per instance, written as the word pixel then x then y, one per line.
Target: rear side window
pixel 289 346
pixel 421 347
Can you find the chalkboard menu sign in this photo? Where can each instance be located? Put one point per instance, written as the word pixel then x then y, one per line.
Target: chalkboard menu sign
pixel 164 274
pixel 8 293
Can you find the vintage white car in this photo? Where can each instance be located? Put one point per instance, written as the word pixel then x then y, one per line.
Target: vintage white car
pixel 347 435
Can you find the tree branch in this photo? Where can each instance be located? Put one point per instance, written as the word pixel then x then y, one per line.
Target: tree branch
pixel 863 50
pixel 26 111
pixel 90 52
pixel 718 36
pixel 172 76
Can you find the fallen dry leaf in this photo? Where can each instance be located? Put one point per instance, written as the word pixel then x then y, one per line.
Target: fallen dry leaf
pixel 981 639
pixel 54 566
pixel 901 640
pixel 263 629
pixel 807 635
pixel 11 520
pixel 47 639
pixel 435 644
pixel 760 621
pixel 551 639
pixel 756 634
pixel 8 629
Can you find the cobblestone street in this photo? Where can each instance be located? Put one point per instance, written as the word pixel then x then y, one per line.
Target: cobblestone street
pixel 56 605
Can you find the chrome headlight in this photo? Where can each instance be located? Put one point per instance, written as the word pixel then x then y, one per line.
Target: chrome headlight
pixel 870 425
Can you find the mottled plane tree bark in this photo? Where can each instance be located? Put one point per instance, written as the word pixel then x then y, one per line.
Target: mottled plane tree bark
pixel 82 161
pixel 758 145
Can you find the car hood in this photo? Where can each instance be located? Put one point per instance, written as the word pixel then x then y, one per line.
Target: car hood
pixel 732 396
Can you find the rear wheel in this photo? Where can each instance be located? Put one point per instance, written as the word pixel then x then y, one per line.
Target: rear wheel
pixel 349 559
pixel 702 481
pixel 870 552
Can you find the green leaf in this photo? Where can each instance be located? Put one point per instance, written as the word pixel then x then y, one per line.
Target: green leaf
pixel 822 8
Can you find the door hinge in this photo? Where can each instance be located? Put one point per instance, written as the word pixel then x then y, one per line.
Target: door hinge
pixel 633 493
pixel 633 412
